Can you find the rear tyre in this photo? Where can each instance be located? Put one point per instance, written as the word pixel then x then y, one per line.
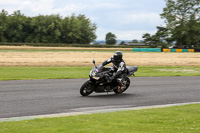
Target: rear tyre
pixel 124 87
pixel 86 89
pixel 127 84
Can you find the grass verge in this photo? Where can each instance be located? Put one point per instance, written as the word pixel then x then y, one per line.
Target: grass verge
pixel 171 119
pixel 26 73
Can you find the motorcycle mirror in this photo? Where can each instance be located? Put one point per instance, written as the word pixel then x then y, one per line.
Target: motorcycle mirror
pixel 93 61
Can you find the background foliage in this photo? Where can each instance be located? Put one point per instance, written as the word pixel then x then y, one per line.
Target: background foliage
pixel 182 19
pixel 111 38
pixel 46 29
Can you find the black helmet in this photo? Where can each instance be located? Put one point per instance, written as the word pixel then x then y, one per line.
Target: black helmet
pixel 117 56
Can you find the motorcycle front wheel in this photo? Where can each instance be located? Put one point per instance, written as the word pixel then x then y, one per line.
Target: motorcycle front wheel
pixel 86 89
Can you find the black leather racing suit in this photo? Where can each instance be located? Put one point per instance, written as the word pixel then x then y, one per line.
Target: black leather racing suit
pixel 119 68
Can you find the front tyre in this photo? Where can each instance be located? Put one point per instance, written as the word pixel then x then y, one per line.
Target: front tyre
pixel 86 89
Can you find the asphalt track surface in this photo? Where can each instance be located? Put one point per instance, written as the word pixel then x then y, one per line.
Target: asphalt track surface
pixel 40 97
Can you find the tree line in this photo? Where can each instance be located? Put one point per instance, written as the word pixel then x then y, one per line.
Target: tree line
pixel 182 19
pixel 18 28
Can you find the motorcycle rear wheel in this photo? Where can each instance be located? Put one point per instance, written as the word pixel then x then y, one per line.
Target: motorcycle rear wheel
pixel 127 85
pixel 86 89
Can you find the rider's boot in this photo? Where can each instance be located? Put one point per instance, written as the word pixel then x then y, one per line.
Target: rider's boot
pixel 119 87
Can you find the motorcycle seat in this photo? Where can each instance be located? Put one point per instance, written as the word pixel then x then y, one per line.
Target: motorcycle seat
pixel 131 69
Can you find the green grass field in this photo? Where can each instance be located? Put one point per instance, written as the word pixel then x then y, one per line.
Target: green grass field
pixel 180 119
pixel 162 120
pixel 26 73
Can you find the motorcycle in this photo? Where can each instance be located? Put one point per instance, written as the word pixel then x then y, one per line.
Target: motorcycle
pixel 98 80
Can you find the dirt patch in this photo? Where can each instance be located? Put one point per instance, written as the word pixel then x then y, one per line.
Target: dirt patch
pixel 85 58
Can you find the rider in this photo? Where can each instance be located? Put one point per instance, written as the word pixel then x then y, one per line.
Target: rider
pixel 119 67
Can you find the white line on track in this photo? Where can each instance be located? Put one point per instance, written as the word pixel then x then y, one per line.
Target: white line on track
pixel 92 110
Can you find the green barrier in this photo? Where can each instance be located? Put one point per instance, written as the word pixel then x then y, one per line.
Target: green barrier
pixel 147 49
pixel 185 50
pixel 173 50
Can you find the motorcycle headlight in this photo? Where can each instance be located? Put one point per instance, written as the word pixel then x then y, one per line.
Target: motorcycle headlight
pixel 96 78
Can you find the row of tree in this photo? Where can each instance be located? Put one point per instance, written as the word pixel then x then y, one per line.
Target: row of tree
pixel 46 29
pixel 182 18
pixel 112 39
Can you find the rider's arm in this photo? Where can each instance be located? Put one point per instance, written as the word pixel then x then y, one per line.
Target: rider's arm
pixel 107 62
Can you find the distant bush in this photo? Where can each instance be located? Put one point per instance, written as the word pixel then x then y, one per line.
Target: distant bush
pixel 17 27
pixel 70 45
